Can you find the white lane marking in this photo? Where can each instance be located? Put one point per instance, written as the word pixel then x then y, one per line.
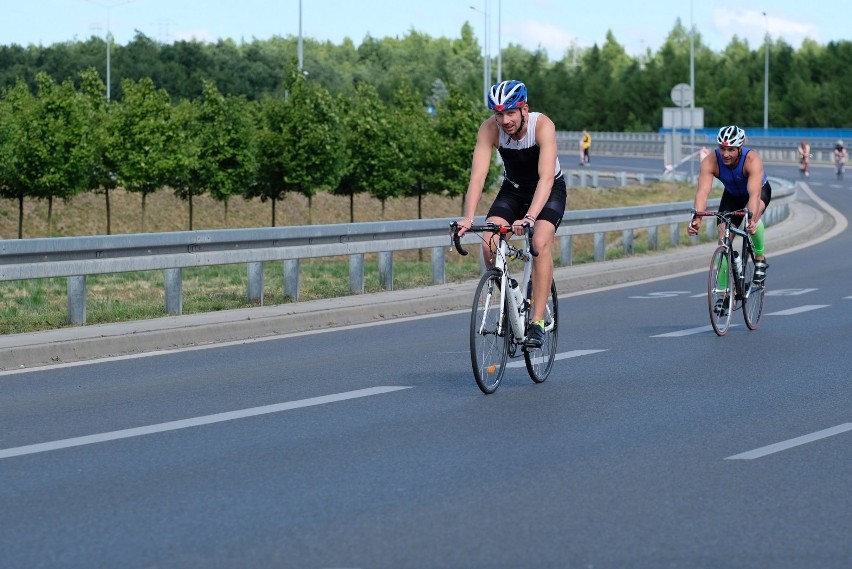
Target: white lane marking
pixel 788 291
pixel 195 421
pixel 784 445
pixel 798 310
pixel 688 332
pixel 562 356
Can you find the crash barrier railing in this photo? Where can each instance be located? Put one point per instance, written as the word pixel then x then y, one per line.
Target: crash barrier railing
pixel 77 257
pixel 771 148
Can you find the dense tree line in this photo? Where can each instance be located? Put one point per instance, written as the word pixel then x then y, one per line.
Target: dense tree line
pixel 60 139
pixel 600 88
pixel 392 117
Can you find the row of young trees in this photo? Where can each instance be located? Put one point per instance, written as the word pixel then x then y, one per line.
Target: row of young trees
pixel 60 139
pixel 600 88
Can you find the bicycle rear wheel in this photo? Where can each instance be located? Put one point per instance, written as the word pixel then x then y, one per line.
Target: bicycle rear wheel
pixel 752 294
pixel 540 360
pixel 720 299
pixel 489 343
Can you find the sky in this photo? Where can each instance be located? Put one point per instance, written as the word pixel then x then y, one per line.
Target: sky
pixel 554 25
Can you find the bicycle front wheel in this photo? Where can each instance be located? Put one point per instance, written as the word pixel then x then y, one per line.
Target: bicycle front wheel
pixel 752 295
pixel 719 298
pixel 540 360
pixel 489 338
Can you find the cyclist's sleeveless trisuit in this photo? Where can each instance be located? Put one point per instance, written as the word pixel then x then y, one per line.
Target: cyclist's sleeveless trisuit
pixel 520 157
pixel 734 180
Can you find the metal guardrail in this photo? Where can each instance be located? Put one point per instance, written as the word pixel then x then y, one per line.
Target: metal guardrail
pixel 77 257
pixel 771 148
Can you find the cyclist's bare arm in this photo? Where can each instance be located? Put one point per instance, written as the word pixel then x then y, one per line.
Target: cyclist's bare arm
pixel 486 140
pixel 753 169
pixel 709 170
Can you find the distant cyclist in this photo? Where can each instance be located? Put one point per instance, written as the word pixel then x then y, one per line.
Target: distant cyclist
pixel 840 157
pixel 804 157
pixel 740 170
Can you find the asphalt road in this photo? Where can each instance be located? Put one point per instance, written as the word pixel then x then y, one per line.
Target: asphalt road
pixel 653 444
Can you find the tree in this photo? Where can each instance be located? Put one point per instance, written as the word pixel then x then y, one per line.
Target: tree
pixel 299 145
pixel 457 124
pixel 52 151
pixel 146 148
pixel 99 117
pixel 372 148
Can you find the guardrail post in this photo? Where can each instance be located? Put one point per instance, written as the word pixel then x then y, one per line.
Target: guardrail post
pixel 653 239
pixel 623 177
pixel 356 273
pixel 627 240
pixel 583 178
pixel 600 246
pixel 173 281
pixel 640 177
pixel 76 300
pixel 386 269
pixel 569 177
pixel 595 182
pixel 291 279
pixel 439 267
pixel 565 256
pixel 255 282
pixel 674 234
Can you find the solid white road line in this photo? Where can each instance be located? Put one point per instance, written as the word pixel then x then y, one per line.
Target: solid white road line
pixel 798 310
pixel 562 356
pixel 196 421
pixel 784 445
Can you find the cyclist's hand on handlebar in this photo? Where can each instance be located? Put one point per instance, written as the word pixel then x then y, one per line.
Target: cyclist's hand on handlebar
pixel 694 225
pixel 752 226
pixel 463 225
pixel 519 227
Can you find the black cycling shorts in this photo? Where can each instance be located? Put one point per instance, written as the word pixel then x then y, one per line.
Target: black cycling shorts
pixel 730 202
pixel 513 203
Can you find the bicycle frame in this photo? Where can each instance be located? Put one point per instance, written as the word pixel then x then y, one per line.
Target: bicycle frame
pixel 517 305
pixel 740 286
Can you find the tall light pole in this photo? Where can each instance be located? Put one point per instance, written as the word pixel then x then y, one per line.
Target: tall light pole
pixel 766 77
pixel 499 43
pixel 486 63
pixel 301 57
pixel 108 6
pixel 692 89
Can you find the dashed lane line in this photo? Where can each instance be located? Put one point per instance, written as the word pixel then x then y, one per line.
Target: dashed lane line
pixel 195 421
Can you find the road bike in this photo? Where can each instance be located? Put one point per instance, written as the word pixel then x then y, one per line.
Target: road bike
pixel 840 165
pixel 724 294
pixel 502 311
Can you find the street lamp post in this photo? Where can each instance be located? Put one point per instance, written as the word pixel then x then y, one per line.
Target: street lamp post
pixel 499 43
pixel 766 77
pixel 486 63
pixel 301 57
pixel 108 6
pixel 692 99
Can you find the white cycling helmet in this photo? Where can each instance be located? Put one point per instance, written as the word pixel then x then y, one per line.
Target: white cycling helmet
pixel 731 136
pixel 839 143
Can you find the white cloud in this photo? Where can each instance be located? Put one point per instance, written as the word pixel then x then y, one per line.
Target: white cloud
pixel 752 25
pixel 531 34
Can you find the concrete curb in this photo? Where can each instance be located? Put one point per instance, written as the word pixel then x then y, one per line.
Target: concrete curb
pixel 806 225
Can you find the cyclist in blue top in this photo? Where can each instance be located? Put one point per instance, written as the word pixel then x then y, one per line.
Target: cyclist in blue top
pixel 533 189
pixel 740 170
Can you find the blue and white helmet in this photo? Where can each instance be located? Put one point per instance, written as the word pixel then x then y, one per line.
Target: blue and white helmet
pixel 732 136
pixel 507 95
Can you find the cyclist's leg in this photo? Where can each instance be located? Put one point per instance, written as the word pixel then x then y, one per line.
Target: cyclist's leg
pixel 547 222
pixel 760 264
